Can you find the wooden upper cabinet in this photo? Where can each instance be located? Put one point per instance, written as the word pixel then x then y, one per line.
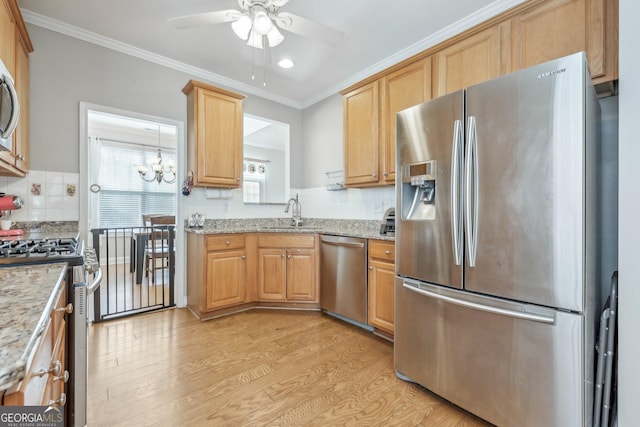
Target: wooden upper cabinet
pixel 7 37
pixel 360 108
pixel 473 59
pixel 557 28
pixel 21 136
pixel 214 135
pixel 15 46
pixel 401 89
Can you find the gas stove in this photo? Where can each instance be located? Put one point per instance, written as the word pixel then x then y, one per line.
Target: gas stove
pixel 18 251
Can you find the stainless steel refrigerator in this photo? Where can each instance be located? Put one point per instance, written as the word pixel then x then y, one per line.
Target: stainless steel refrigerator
pixel 496 300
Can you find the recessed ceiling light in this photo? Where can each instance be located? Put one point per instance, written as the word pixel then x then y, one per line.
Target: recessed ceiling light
pixel 286 63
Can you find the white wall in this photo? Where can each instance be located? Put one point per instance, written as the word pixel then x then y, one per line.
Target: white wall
pixel 323 142
pixel 66 71
pixel 629 215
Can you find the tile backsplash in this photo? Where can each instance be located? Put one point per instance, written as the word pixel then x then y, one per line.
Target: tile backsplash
pixel 48 196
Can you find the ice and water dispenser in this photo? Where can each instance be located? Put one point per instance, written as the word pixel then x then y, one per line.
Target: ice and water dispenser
pixel 418 193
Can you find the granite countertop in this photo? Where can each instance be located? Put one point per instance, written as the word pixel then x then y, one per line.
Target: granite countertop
pixel 339 227
pixel 27 295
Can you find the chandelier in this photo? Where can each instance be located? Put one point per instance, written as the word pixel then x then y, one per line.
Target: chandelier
pixel 160 171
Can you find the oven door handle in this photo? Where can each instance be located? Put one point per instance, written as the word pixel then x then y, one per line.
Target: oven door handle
pixel 95 283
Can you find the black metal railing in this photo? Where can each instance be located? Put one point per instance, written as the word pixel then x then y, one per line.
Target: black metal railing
pixel 138 265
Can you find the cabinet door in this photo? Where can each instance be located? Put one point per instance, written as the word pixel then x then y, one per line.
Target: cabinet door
pixel 301 274
pixel 558 28
pixel 272 274
pixel 475 59
pixel 225 279
pixel 381 282
pixel 7 37
pixel 218 140
pixel 402 89
pixel 360 109
pixel 21 135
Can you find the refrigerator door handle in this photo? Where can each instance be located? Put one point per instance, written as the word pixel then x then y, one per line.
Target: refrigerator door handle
pixel 471 191
pixel 456 191
pixel 481 307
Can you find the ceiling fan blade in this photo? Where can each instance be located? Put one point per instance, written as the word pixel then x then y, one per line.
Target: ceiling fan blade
pixel 217 17
pixel 313 30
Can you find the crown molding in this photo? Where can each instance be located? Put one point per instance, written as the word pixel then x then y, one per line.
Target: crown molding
pixel 454 29
pixel 457 27
pixel 109 43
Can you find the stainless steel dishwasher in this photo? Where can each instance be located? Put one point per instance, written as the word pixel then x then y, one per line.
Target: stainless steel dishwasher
pixel 343 277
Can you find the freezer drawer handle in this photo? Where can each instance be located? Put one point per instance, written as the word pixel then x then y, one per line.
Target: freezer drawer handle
pixel 481 307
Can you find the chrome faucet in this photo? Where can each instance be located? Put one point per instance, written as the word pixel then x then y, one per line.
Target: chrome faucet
pixel 296 214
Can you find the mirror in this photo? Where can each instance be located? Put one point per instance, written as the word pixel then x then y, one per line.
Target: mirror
pixel 266 161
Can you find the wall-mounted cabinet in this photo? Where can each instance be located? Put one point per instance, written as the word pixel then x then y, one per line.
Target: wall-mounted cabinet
pixel 530 33
pixel 15 46
pixel 214 135
pixel 361 133
pixel 474 59
pixel 557 28
pixel 370 122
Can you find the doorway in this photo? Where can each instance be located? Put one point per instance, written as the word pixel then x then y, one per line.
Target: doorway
pixel 131 171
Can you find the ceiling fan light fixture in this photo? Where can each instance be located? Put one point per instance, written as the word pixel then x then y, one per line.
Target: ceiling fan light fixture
pixel 275 37
pixel 242 26
pixel 262 23
pixel 255 39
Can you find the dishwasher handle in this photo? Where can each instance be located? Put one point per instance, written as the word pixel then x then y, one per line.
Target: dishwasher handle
pixel 342 244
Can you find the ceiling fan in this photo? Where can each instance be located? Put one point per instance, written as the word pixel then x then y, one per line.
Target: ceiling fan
pixel 258 23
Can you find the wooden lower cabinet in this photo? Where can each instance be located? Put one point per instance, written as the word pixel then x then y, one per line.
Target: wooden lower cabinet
pixel 381 285
pixel 225 278
pixel 231 272
pixel 216 272
pixel 272 274
pixel 45 380
pixel 287 267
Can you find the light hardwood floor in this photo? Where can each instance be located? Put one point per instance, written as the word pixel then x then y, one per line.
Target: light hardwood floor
pixel 257 368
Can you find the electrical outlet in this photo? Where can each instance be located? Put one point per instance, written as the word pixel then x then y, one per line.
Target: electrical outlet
pixel 378 206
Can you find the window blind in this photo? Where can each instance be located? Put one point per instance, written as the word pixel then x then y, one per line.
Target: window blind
pixel 124 197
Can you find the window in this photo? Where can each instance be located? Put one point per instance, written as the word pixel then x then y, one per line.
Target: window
pixel 124 197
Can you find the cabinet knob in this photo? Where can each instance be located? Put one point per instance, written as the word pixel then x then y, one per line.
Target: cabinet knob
pixel 370 268
pixel 19 157
pixel 228 243
pixel 59 402
pixel 374 175
pixel 67 309
pixel 386 174
pixel 55 369
pixel 237 179
pixel 244 257
pixel 289 256
pixel 387 252
pixel 64 377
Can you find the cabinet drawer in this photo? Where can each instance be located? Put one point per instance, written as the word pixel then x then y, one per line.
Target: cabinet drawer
pixel 228 241
pixel 286 240
pixel 382 250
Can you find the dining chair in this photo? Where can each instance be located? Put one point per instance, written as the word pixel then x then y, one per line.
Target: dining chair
pixel 158 244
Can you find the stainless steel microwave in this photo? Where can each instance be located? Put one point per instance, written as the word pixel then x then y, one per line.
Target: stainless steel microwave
pixel 9 107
